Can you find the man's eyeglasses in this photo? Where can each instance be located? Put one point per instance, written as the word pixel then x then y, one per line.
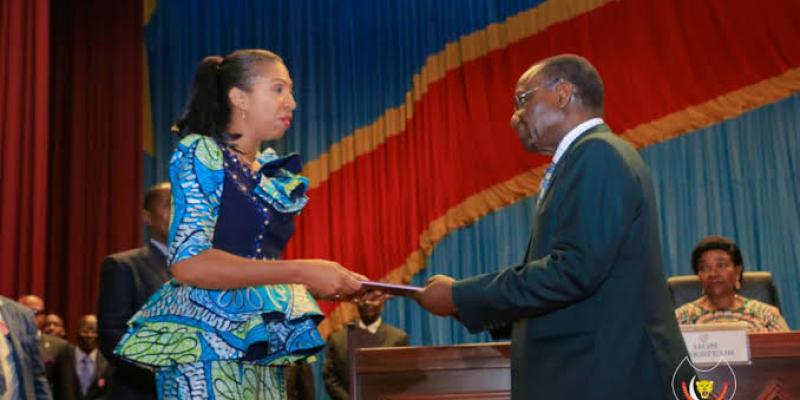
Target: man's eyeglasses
pixel 520 99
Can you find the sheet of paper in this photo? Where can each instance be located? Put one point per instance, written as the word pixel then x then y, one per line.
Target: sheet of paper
pixel 391 288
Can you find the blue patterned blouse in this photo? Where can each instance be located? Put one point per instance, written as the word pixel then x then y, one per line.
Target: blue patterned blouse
pixel 219 203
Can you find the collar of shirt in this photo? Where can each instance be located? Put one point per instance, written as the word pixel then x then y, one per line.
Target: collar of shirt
pixel 79 354
pixel 160 246
pixel 372 328
pixel 574 134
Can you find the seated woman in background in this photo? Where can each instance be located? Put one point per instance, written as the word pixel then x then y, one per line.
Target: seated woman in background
pixel 717 261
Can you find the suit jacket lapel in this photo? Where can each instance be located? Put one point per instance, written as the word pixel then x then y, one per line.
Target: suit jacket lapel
pixel 158 261
pixel 382 333
pixel 554 179
pixel 100 366
pixel 565 157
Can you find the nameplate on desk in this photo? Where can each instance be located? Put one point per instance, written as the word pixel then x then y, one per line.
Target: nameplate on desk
pixel 708 344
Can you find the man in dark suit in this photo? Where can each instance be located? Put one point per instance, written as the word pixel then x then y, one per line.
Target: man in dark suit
pixel 589 311
pixel 127 280
pixel 21 369
pixel 50 346
pixel 82 371
pixel 369 331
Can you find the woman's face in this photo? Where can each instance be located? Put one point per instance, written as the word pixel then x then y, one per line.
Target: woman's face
pixel 717 273
pixel 270 102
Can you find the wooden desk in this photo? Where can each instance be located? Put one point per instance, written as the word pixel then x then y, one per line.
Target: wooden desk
pixel 775 371
pixel 483 371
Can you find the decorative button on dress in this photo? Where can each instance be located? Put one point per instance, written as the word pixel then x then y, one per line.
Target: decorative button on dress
pixel 226 343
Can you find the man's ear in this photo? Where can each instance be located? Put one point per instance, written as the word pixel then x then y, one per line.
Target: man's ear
pixel 147 217
pixel 564 90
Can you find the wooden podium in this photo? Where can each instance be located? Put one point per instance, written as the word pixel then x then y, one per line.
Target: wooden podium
pixel 483 371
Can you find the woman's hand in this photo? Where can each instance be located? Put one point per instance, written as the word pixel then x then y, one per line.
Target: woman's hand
pixel 329 280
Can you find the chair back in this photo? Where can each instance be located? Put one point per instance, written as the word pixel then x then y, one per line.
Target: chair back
pixel 755 285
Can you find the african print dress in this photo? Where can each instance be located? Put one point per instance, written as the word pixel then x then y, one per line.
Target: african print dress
pixel 760 317
pixel 226 344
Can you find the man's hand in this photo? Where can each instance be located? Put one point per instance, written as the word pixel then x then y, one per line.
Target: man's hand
pixel 437 297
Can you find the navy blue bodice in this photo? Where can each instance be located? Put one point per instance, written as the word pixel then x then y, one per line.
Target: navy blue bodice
pixel 242 214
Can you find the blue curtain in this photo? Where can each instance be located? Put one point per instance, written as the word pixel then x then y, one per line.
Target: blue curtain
pixel 740 179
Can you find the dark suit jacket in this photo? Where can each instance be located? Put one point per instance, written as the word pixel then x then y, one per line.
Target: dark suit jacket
pixel 299 382
pixel 25 345
pixel 127 280
pixel 336 372
pixel 68 387
pixel 590 313
pixel 51 348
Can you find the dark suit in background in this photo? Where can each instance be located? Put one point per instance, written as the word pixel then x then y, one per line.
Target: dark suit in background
pixel 24 344
pixel 67 386
pixel 336 371
pixel 590 313
pixel 299 382
pixel 51 348
pixel 127 280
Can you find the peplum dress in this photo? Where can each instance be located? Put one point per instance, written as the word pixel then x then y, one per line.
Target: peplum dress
pixel 190 334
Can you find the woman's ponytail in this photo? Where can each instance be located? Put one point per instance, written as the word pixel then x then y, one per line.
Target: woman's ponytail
pixel 207 110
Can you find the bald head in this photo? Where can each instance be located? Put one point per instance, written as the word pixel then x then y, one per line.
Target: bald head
pixel 32 301
pixel 552 97
pixel 87 333
pixel 578 71
pixel 156 211
pixel 36 304
pixel 155 194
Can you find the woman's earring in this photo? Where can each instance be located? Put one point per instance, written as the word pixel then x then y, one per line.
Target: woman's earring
pixel 738 284
pixel 244 116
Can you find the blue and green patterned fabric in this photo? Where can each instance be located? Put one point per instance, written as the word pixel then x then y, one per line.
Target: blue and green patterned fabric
pixel 219 203
pixel 228 381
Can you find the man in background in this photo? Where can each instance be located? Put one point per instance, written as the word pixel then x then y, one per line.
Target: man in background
pixel 21 369
pixel 49 346
pixel 83 372
pixel 54 326
pixel 127 280
pixel 36 304
pixel 368 331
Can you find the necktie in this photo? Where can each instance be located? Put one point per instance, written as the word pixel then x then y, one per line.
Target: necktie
pixel 86 373
pixel 548 175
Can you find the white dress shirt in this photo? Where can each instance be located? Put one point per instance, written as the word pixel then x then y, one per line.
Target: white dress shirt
pixel 371 328
pixel 575 133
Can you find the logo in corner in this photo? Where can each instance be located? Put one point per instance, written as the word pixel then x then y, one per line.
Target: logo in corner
pixel 693 383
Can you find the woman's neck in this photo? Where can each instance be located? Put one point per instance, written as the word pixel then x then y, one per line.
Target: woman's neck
pixel 722 302
pixel 247 144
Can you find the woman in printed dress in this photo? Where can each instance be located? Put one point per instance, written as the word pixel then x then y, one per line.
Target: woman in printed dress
pixel 717 261
pixel 235 313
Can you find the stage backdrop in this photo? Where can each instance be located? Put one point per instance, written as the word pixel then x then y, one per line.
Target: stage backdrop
pixel 403 111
